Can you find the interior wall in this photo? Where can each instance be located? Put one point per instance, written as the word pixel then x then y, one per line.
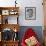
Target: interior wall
pixel 39 13
pixel 26 3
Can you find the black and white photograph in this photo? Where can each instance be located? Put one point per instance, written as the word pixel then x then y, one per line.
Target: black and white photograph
pixel 30 13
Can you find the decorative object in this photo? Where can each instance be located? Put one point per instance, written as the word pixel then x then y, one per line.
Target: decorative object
pixel 15 37
pixel 7 34
pixel 6 21
pixel 5 12
pixel 15 3
pixel 30 13
pixel 13 12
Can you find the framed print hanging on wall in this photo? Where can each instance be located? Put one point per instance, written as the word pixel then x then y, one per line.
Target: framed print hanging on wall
pixel 30 13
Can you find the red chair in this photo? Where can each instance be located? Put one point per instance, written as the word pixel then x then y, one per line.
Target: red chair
pixel 29 33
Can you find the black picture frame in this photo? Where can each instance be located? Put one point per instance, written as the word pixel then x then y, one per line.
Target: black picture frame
pixel 30 13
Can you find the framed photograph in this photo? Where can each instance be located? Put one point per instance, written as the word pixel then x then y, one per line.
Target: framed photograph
pixel 5 12
pixel 30 13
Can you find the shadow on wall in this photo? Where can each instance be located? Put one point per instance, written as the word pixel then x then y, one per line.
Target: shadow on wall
pixel 37 29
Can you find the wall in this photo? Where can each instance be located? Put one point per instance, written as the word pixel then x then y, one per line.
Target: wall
pixel 27 3
pixel 39 12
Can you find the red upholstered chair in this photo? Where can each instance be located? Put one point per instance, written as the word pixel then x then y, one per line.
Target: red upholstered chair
pixel 29 33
